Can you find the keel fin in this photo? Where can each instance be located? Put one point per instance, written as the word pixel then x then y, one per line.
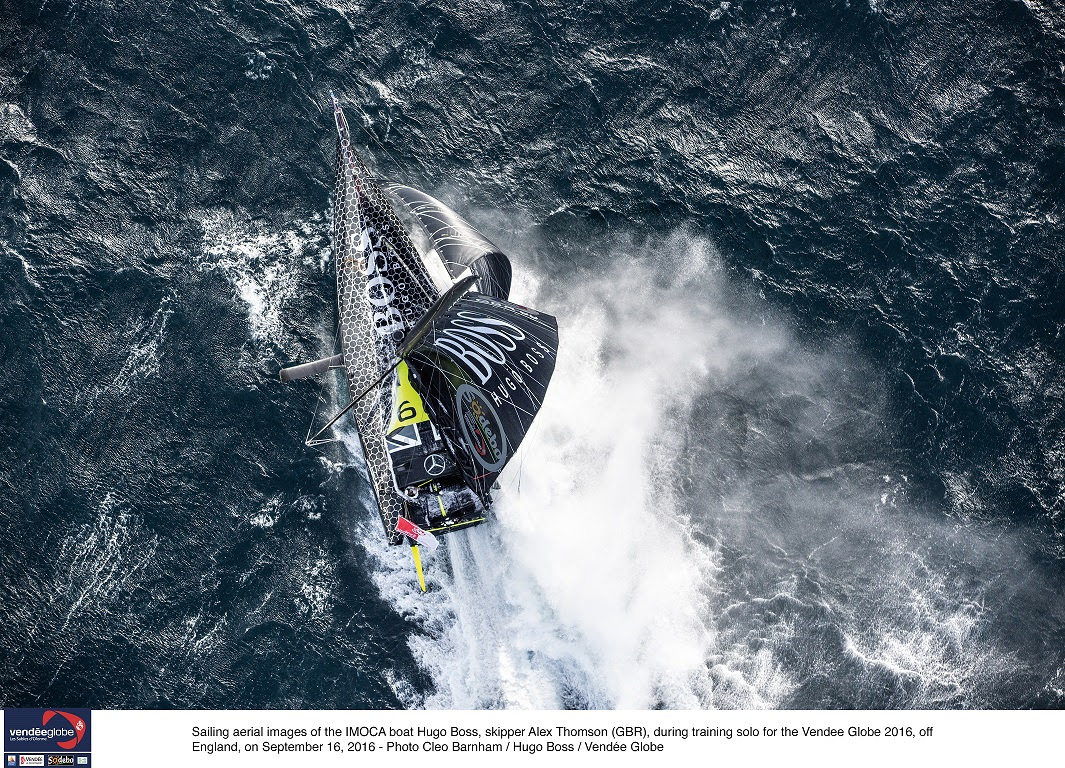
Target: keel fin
pixel 418 565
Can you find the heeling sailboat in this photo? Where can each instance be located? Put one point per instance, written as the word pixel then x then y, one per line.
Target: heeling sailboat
pixel 444 374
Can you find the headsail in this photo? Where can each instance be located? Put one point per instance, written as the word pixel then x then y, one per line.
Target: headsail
pixel 460 246
pixel 482 371
pixel 383 289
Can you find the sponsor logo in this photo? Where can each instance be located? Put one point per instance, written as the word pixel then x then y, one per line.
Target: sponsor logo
pixel 480 342
pixel 31 759
pixel 380 290
pixel 60 759
pixel 434 464
pixel 83 760
pixel 46 730
pixel 11 759
pixel 407 528
pixel 482 428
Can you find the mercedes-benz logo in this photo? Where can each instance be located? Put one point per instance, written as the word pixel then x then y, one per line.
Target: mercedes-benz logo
pixel 434 464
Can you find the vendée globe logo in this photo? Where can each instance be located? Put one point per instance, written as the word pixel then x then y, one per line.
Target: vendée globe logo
pixel 40 730
pixel 76 723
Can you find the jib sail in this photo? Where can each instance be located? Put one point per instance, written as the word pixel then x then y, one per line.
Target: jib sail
pixel 460 245
pixel 482 371
pixel 382 290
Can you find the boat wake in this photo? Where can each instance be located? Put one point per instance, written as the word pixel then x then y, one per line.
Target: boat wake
pixel 706 513
pixel 592 587
pixel 684 518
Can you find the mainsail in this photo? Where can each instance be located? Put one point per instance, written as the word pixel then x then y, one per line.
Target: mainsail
pixel 383 289
pixel 482 370
pixel 462 248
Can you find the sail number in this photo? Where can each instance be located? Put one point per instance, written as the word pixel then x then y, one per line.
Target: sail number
pixel 406 411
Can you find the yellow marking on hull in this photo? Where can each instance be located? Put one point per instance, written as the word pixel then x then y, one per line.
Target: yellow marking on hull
pixel 407 405
pixel 440 500
pixel 418 565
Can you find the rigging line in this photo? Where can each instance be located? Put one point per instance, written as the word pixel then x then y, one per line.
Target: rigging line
pixel 320 399
pixel 401 260
pixel 521 465
pixel 355 400
pixel 417 280
pixel 383 148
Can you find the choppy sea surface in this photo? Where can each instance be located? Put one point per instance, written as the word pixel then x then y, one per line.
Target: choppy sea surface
pixel 805 443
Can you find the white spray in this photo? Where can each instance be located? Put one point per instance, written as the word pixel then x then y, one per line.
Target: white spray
pixel 588 588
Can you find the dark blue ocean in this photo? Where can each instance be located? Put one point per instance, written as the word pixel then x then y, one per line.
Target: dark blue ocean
pixel 805 443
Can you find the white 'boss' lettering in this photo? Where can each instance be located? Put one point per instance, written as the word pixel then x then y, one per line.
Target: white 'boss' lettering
pixel 379 289
pixel 479 341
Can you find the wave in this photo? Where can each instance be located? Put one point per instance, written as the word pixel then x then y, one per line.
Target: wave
pixel 264 268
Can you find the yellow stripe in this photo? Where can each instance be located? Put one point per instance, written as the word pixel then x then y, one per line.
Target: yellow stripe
pixel 407 405
pixel 457 525
pixel 440 499
pixel 418 565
